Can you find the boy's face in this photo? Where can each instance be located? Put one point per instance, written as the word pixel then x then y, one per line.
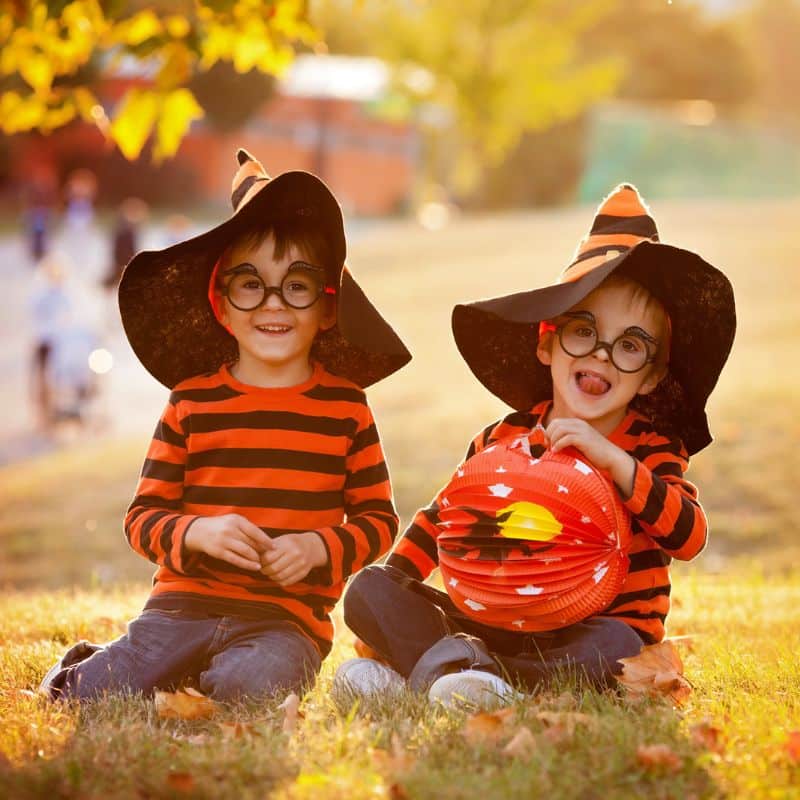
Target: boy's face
pixel 275 337
pixel 591 387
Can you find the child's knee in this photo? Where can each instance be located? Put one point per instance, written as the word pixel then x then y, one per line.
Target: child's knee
pixel 359 599
pixel 614 640
pixel 258 672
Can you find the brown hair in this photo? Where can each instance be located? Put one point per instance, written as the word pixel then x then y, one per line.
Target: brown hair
pixel 310 241
pixel 651 303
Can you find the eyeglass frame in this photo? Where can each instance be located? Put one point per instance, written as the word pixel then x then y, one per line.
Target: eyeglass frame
pixel 601 345
pixel 268 291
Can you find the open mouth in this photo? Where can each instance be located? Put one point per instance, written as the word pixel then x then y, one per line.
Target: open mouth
pixel 591 383
pixel 274 329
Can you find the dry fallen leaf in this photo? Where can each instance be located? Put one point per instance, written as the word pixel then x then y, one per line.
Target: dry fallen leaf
pixel 291 712
pixel 708 736
pixel 566 720
pixel 188 704
pixel 395 760
pixel 792 746
pixel 522 745
pixel 236 730
pixel 655 757
pixel 486 726
pixel 363 650
pixel 656 672
pixel 180 781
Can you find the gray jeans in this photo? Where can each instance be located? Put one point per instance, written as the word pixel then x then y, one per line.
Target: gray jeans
pixel 227 658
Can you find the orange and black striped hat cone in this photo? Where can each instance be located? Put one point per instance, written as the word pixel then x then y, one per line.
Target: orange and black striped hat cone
pixel 498 337
pixel 164 295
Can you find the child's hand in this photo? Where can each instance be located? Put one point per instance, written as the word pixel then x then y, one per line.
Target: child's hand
pixel 230 538
pixel 289 558
pixel 605 455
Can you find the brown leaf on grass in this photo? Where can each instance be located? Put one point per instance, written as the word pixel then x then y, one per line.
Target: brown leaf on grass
pixel 396 760
pixel 708 736
pixel 658 757
pixel 195 738
pixel 236 730
pixel 188 704
pixel 180 781
pixel 656 672
pixel 487 726
pixel 291 712
pixel 792 746
pixel 565 722
pixel 522 745
pixel 397 792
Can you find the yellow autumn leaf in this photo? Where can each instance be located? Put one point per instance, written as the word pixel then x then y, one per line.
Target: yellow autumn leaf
pixel 37 72
pixel 58 116
pixel 19 113
pixel 178 110
pixel 187 704
pixel 248 51
pixel 176 67
pixel 134 121
pixel 276 60
pixel 177 26
pixel 85 102
pixel 217 44
pixel 139 28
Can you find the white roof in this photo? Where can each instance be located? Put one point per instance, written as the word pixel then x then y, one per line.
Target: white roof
pixel 345 77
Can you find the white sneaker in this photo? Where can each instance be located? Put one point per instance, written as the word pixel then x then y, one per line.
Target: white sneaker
pixel 474 687
pixel 366 677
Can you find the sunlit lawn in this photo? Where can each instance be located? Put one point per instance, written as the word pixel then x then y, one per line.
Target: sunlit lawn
pixel 60 526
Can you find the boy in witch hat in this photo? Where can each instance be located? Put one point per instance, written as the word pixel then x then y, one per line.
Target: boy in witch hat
pixel 265 485
pixel 617 360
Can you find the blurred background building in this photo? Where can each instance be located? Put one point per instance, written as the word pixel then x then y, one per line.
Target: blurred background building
pixel 512 105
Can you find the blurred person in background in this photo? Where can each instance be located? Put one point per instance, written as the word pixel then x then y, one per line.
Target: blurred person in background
pixel 177 228
pixel 78 226
pixel 125 238
pixel 39 199
pixel 50 307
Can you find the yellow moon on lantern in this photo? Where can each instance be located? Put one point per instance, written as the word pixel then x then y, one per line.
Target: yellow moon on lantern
pixel 528 521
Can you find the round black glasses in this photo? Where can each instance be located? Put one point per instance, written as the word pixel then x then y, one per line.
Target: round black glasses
pixel 301 287
pixel 629 352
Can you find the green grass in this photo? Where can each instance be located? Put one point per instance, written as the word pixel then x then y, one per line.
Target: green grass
pixel 69 575
pixel 742 662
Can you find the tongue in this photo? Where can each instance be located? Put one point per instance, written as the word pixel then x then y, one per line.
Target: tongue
pixel 591 384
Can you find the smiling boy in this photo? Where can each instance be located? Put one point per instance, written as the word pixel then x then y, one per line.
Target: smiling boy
pixel 617 360
pixel 265 485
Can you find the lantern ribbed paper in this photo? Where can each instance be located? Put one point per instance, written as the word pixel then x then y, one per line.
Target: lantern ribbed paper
pixel 531 544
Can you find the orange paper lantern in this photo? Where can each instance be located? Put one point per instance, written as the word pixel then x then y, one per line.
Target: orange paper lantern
pixel 531 544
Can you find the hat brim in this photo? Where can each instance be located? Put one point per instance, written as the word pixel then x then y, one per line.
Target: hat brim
pixel 163 296
pixel 498 337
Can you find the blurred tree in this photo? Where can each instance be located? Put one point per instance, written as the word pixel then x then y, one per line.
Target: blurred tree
pixel 491 71
pixel 772 31
pixel 44 44
pixel 672 52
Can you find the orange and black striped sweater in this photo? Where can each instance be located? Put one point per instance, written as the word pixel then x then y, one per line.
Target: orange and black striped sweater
pixel 294 459
pixel 666 519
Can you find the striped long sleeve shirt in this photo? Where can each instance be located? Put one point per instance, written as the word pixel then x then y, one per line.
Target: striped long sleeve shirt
pixel 302 458
pixel 666 519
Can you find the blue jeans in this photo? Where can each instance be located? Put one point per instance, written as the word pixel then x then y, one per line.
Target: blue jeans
pixel 228 658
pixel 401 618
